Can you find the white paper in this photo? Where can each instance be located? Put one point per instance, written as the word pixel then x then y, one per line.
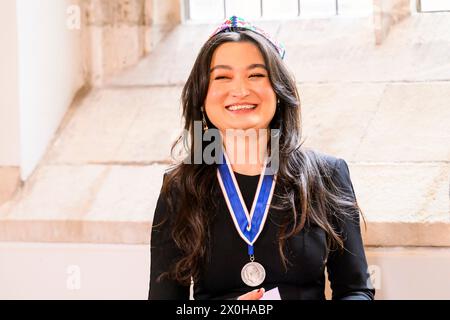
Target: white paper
pixel 273 294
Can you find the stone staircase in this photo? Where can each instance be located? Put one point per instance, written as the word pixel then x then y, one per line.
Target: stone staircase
pixel 384 109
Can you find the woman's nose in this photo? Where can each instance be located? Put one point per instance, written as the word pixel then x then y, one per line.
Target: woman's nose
pixel 240 88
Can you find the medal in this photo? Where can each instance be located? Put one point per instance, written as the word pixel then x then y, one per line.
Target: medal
pixel 248 224
pixel 253 274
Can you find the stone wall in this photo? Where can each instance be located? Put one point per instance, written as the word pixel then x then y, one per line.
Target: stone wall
pixel 386 14
pixel 9 101
pixel 117 33
pixel 107 37
pixel 9 182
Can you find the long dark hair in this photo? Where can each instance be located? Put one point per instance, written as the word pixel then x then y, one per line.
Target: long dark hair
pixel 303 177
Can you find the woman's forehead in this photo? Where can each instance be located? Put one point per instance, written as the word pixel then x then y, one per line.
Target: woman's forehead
pixel 237 54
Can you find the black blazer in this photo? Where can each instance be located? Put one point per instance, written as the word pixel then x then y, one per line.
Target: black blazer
pixel 307 251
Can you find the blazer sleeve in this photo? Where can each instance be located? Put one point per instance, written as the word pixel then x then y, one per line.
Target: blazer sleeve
pixel 163 254
pixel 347 269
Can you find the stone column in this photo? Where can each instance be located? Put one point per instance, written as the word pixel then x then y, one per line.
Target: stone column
pixel 117 33
pixel 9 102
pixel 163 16
pixel 387 13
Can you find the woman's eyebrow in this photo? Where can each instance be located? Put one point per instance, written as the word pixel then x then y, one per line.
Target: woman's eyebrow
pixel 227 67
pixel 220 66
pixel 257 65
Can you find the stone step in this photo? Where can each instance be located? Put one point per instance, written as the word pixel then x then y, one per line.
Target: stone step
pixel 406 122
pixel 105 168
pixel 416 50
pixel 100 179
pixel 120 126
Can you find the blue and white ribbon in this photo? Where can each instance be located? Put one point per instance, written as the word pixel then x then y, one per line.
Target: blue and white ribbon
pixel 248 224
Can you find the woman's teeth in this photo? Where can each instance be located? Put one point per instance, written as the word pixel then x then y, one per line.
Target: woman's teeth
pixel 241 107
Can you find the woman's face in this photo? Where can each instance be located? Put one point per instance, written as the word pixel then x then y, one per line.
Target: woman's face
pixel 240 95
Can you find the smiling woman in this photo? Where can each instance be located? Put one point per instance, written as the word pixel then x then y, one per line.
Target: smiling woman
pixel 240 95
pixel 234 225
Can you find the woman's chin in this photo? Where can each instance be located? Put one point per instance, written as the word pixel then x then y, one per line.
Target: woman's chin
pixel 244 127
pixel 244 124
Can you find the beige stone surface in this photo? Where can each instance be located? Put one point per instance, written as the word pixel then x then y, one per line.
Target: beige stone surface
pixel 75 231
pixel 101 12
pixel 319 50
pixel 89 192
pixel 410 273
pixel 9 182
pixel 403 192
pixel 404 203
pixel 386 14
pixel 112 126
pixel 382 109
pixel 66 271
pixel 117 33
pixel 385 122
pixel 54 192
pixel 411 124
pixel 86 203
pixel 414 51
pixel 118 271
pixel 408 234
pixel 165 11
pixel 116 47
pixel 128 194
pixel 113 36
pixel 337 115
pixel 171 63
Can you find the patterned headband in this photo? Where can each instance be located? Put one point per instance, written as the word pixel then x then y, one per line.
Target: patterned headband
pixel 236 22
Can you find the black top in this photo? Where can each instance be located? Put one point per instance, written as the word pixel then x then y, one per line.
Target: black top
pixel 307 251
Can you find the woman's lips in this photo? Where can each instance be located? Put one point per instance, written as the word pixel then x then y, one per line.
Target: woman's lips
pixel 241 109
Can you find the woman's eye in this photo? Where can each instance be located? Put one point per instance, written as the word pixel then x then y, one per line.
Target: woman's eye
pixel 258 75
pixel 220 77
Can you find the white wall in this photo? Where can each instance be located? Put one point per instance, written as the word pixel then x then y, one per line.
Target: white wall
pixel 73 271
pixel 99 271
pixel 9 86
pixel 411 273
pixel 50 73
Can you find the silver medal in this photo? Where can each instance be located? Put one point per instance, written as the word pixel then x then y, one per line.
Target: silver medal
pixel 248 224
pixel 253 274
